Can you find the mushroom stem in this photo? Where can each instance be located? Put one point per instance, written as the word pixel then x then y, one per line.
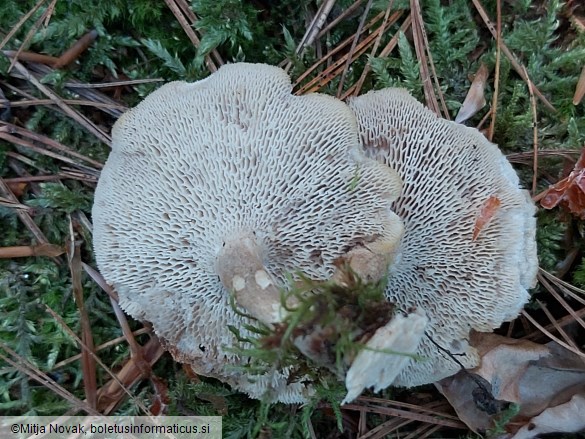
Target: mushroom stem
pixel 241 270
pixel 370 261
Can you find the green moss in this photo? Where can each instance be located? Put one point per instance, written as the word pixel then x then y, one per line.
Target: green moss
pixel 142 39
pixel 549 237
pixel 321 332
pixel 579 275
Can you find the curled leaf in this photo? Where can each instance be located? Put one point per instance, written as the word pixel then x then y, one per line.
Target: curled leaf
pixel 488 210
pixel 536 388
pixel 567 417
pixel 475 99
pixel 569 192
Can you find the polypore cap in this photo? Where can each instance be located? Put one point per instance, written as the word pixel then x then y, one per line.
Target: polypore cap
pixel 468 254
pixel 224 186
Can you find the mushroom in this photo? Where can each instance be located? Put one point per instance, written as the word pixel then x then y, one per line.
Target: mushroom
pixel 227 185
pixel 468 254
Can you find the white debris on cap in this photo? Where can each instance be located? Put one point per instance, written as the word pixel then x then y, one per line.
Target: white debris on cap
pixel 385 354
pixel 449 171
pixel 234 160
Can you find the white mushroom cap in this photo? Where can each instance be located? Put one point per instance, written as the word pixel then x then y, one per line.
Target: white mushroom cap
pixel 449 173
pixel 231 183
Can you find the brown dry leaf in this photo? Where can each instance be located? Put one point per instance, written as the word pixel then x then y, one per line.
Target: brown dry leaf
pixel 539 378
pixel 488 210
pixel 569 192
pixel 475 99
pixel 112 393
pixel 17 188
pixel 459 390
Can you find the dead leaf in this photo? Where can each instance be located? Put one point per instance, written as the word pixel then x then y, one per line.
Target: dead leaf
pixel 570 417
pixel 539 378
pixel 505 364
pixel 475 99
pixel 17 188
pixel 113 392
pixel 569 192
pixel 459 390
pixel 488 210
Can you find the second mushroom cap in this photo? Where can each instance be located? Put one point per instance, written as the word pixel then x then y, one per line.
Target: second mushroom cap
pixel 468 255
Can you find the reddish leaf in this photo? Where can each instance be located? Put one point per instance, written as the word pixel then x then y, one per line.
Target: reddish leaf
pixel 569 192
pixel 17 188
pixel 488 210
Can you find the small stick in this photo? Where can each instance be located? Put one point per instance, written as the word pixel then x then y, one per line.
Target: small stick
pixel 29 145
pixel 99 279
pixel 88 364
pixel 23 365
pixel 354 89
pixel 4 202
pixel 332 71
pixel 18 25
pixel 497 72
pixel 31 57
pixel 419 46
pixel 74 114
pixel 316 25
pixel 24 216
pixel 580 88
pixel 113 84
pixel 14 129
pixel 64 60
pixel 431 64
pixel 115 378
pixel 76 50
pixel 23 251
pixel 339 46
pixel 176 10
pixel 192 17
pixel 34 102
pixel 509 54
pixel 357 87
pixel 551 336
pixel 341 17
pixel 353 46
pixel 44 17
pixel 101 347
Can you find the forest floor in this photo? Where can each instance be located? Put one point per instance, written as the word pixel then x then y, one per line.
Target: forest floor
pixel 69 69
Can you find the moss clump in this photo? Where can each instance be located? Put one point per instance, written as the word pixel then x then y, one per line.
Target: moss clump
pixel 322 332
